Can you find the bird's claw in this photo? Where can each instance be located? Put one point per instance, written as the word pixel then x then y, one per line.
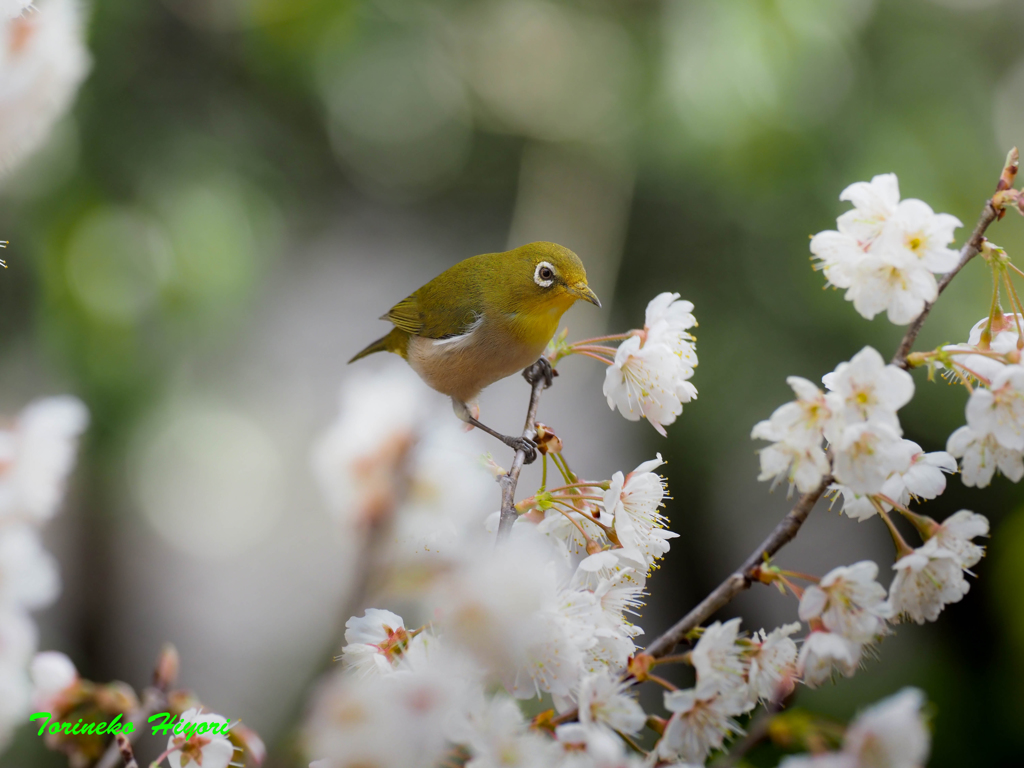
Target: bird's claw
pixel 541 370
pixel 527 446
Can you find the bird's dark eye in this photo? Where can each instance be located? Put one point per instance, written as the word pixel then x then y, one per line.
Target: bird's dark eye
pixel 546 273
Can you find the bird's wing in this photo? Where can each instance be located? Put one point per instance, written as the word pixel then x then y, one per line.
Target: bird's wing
pixel 440 321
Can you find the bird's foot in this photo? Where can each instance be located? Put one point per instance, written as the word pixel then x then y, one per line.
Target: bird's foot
pixel 524 444
pixel 541 370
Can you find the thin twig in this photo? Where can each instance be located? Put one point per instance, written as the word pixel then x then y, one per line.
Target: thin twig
pixel 125 748
pixel 743 576
pixel 536 376
pixel 153 700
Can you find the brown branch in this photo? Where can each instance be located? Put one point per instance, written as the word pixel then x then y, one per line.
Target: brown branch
pixel 153 700
pixel 787 529
pixel 743 576
pixel 539 376
pixel 127 754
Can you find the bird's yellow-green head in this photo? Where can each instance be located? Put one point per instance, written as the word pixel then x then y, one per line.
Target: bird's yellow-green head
pixel 545 278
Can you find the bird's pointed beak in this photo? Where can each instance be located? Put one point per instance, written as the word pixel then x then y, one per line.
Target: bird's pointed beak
pixel 583 291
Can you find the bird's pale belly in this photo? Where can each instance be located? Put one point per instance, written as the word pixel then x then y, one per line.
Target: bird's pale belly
pixel 460 369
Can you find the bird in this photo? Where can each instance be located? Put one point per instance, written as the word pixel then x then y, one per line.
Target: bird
pixel 484 319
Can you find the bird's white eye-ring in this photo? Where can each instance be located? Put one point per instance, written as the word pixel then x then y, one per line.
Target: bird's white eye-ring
pixel 544 275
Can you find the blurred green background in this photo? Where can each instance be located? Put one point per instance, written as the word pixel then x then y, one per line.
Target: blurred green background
pixel 221 147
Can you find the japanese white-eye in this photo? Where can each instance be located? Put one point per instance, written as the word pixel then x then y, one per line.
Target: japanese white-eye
pixel 483 319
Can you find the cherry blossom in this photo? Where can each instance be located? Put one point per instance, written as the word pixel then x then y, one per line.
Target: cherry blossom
pixel 981 455
pixel 1003 341
pixel 496 734
pixel 866 389
pixel 822 652
pixel 956 533
pixel 205 746
pixel 374 642
pixel 886 251
pixel 666 321
pixel 866 454
pixel 11 8
pixel 796 430
pixel 916 230
pixel 927 579
pixel 28 573
pixel 849 602
pixel 701 720
pixel 890 733
pixel 772 673
pixel 719 659
pixel 874 203
pixel 37 455
pixel 634 501
pixel 398 719
pixel 604 700
pixel 52 674
pixel 999 410
pixel 925 478
pixel 44 60
pixel 648 380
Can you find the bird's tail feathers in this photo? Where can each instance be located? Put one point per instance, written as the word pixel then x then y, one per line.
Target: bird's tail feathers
pixel 396 342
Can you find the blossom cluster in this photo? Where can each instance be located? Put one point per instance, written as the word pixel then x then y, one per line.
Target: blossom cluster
pixel 733 674
pixel 37 453
pixel 43 60
pixel 892 732
pixel 886 252
pixel 856 419
pixel 648 375
pixel 548 613
pixel 993 437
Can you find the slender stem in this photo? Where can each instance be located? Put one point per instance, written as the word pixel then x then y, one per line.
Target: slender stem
pixel 1014 267
pixel 613 337
pixel 676 658
pixel 573 477
pixel 598 348
pixel 579 527
pixel 153 700
pixel 125 748
pixel 556 458
pixel 798 592
pixel 993 310
pixel 535 374
pixel 743 576
pixel 163 756
pixel 902 548
pixel 582 484
pixel 662 682
pixel 1018 309
pixel 604 360
pixel 632 744
pixel 585 515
